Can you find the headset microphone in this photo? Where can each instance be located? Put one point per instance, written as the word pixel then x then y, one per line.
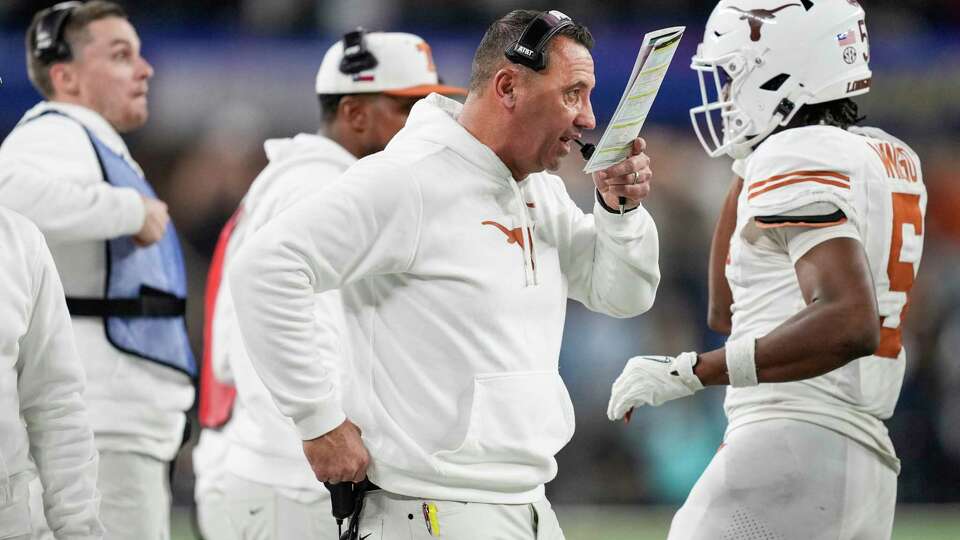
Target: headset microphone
pixel 586 149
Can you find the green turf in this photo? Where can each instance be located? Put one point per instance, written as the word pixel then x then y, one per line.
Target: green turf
pixel 651 523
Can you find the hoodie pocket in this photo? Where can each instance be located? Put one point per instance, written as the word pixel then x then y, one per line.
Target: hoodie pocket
pixel 517 420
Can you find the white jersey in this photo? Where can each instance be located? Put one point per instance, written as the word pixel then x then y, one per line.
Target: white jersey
pixel 802 187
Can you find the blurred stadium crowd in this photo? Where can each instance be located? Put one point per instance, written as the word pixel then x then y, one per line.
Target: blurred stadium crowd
pixel 232 73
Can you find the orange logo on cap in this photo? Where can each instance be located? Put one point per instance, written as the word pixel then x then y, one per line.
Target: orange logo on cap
pixel 425 49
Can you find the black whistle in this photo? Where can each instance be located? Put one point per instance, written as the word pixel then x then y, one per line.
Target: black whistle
pixel 342 500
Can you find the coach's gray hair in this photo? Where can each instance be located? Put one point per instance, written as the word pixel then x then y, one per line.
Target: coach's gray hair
pixel 501 34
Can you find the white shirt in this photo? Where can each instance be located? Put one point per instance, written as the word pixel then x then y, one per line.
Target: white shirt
pixel 42 416
pixel 52 176
pixel 260 444
pixel 876 181
pixel 454 318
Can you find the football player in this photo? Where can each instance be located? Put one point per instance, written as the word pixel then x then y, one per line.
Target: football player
pixel 811 266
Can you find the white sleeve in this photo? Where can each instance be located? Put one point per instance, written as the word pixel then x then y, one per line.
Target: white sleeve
pixel 366 224
pixel 797 241
pixel 797 168
pixel 50 174
pixel 611 261
pixel 51 382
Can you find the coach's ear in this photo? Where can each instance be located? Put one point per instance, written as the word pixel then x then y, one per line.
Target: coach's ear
pixel 505 86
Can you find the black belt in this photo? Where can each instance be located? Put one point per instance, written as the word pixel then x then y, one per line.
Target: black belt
pixel 143 306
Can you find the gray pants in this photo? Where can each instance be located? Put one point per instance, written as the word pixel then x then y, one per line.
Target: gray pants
pixel 238 509
pixel 388 516
pixel 135 496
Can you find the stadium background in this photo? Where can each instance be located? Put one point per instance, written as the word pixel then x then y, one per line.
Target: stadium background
pixel 231 73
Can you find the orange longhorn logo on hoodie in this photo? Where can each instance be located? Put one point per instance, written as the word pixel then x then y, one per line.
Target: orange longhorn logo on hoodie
pixel 514 236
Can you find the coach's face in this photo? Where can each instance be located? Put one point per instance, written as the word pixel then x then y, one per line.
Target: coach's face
pixel 553 106
pixel 110 76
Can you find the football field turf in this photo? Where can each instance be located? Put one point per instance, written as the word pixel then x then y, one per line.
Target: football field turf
pixel 928 522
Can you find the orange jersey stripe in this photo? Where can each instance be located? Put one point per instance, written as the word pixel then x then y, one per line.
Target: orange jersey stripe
pixel 797 181
pixel 829 174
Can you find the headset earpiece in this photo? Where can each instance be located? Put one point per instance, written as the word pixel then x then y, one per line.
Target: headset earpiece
pixel 49 45
pixel 530 49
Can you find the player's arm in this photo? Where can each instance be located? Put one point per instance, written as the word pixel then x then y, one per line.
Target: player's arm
pixel 839 324
pixel 720 296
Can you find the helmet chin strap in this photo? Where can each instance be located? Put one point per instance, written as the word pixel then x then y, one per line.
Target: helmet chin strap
pixel 784 112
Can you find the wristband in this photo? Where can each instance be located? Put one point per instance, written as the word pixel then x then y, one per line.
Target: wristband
pixel 741 364
pixel 684 363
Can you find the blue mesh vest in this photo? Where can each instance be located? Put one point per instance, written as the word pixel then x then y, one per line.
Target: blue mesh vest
pixel 145 292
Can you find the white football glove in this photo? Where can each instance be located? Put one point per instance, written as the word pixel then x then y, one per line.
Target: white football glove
pixel 652 380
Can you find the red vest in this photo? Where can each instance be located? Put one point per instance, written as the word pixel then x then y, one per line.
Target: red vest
pixel 216 397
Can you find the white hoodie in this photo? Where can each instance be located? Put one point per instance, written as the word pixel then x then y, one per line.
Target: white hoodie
pixel 454 317
pixel 43 420
pixel 260 444
pixel 53 177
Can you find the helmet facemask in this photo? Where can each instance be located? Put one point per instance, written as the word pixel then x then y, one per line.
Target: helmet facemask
pixel 727 126
pixel 728 88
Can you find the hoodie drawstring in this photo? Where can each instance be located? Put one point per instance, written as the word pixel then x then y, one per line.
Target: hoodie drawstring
pixel 526 232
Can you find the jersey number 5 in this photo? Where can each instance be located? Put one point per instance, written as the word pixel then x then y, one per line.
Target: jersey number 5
pixel 906 211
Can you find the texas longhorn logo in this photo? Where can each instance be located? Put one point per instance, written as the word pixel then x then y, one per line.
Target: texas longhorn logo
pixel 514 236
pixel 756 17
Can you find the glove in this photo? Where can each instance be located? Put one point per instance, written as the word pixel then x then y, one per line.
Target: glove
pixel 652 380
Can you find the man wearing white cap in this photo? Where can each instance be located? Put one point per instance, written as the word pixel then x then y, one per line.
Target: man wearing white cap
pixel 253 480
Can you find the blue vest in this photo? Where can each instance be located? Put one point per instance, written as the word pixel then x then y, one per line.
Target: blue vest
pixel 145 294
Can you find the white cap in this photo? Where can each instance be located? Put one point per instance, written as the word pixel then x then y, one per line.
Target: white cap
pixel 404 68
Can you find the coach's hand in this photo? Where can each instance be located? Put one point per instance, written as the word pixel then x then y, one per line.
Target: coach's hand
pixel 652 380
pixel 338 455
pixel 629 179
pixel 155 219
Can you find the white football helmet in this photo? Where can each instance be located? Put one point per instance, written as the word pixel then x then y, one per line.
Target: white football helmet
pixel 761 60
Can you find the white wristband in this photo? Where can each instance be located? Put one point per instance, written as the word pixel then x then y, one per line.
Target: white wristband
pixel 741 365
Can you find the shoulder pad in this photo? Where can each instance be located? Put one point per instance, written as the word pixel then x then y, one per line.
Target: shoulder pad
pixel 798 168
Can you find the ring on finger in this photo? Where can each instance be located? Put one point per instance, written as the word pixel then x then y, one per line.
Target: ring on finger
pixel 636 177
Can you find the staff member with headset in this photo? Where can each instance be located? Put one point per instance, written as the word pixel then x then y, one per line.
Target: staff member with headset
pixel 455 254
pixel 70 172
pixel 251 472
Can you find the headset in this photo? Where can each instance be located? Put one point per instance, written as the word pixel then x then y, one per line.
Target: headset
pixel 356 56
pixel 530 49
pixel 49 46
